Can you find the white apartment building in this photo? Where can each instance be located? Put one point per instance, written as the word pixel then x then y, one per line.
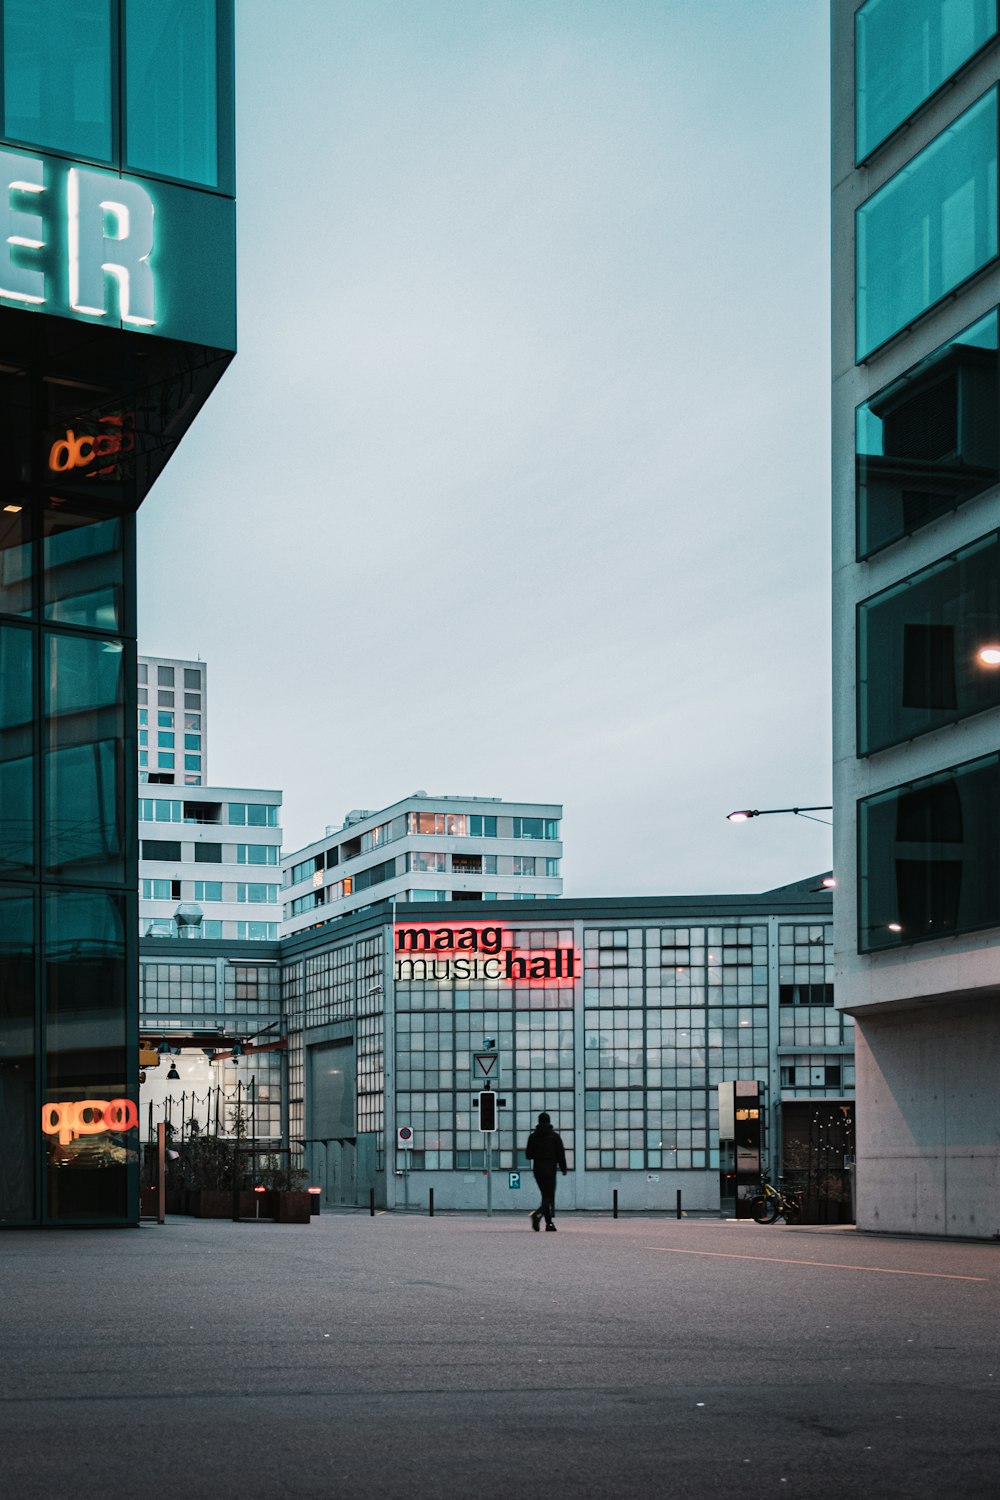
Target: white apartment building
pixel 173 727
pixel 424 848
pixel 209 862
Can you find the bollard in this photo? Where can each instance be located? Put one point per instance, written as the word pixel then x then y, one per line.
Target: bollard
pixel 430 1203
pixel 614 1208
pixel 371 1202
pixel 679 1214
pixel 314 1197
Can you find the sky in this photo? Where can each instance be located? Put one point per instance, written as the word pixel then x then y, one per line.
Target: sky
pixel 519 483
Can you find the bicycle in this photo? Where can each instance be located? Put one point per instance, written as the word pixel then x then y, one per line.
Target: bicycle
pixel 773 1204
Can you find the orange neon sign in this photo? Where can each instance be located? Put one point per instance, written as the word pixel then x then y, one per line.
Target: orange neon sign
pixel 88 1117
pixel 78 451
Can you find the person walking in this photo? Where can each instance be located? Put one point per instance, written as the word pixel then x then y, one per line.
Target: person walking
pixel 547 1155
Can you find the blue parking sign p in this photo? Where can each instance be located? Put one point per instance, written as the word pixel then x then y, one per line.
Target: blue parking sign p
pixel 513 1179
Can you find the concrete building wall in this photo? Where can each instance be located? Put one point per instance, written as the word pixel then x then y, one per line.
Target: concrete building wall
pixel 928 1122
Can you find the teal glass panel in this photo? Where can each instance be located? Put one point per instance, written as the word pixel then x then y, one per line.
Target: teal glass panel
pixel 86 1034
pixel 929 856
pixel 919 645
pixel 86 751
pixel 929 228
pixel 18 1108
pixel 83 580
pixel 15 559
pixel 171 89
pixel 905 50
pixel 57 71
pixel 17 794
pixel 929 440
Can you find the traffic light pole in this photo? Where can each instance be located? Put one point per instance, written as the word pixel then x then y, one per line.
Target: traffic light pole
pixel 489 1177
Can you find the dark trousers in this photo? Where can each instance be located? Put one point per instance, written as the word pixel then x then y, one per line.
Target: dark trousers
pixel 546 1179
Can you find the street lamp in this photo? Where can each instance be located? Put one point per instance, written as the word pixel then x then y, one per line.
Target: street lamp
pixel 742 814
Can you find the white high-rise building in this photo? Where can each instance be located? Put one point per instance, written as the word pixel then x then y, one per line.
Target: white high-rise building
pixel 173 724
pixel 424 848
pixel 209 862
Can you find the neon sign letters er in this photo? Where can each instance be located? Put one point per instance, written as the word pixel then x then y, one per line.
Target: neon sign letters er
pixel 108 237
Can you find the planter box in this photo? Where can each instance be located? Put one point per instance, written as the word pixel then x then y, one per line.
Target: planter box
pixel 293 1208
pixel 208 1204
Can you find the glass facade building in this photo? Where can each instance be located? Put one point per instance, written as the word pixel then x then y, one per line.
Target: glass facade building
pixel 117 318
pixel 916 637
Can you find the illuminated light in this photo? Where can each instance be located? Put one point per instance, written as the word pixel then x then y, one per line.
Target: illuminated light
pixel 829 882
pixel 741 815
pixel 20 227
pixel 477 951
pixel 78 452
pixel 96 255
pixel 894 927
pixel 260 1190
pixel 989 656
pixel 13 510
pixel 88 1117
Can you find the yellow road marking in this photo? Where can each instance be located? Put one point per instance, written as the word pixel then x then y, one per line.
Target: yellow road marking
pixel 824 1265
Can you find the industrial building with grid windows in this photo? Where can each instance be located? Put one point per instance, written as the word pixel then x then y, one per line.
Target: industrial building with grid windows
pixel 620 1018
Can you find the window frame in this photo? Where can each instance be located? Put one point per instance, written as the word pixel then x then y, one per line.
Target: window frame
pixel 939 565
pixel 863 357
pixel 948 82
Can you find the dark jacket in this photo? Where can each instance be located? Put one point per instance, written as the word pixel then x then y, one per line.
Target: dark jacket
pixel 545 1149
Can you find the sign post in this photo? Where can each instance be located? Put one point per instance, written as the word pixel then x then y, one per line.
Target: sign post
pixel 486 1066
pixel 404 1143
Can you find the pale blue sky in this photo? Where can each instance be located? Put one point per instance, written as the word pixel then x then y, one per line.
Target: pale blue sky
pixel 519 484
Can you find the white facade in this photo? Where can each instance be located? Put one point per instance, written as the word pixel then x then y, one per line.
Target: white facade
pixel 916 431
pixel 173 722
pixel 216 850
pixel 423 848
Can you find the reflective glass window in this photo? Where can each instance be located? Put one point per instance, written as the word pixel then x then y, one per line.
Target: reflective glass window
pixel 929 648
pixel 256 854
pixel 84 832
pixel 57 71
pixel 15 560
pixel 929 228
pixel 168 849
pixel 171 93
pixel 83 581
pixel 929 440
pixel 905 50
pixel 929 857
pixel 17 799
pixel 85 1033
pixel 17 1053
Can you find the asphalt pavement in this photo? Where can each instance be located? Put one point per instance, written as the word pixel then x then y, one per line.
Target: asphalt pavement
pixel 462 1356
